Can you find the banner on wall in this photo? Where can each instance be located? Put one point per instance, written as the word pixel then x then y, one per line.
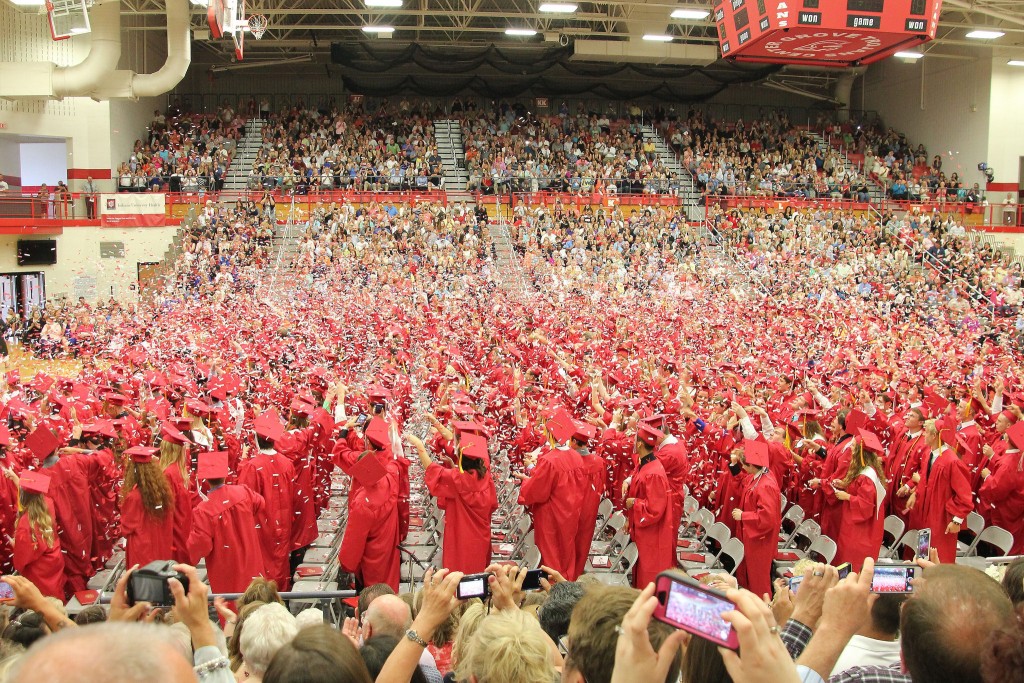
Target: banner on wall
pixel 132 210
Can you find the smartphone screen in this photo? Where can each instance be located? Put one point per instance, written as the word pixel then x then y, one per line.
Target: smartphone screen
pixel 5 590
pixel 794 583
pixel 924 543
pixel 472 587
pixel 532 580
pixel 695 609
pixel 844 569
pixel 893 579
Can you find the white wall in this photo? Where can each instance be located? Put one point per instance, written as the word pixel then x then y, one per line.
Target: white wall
pixel 942 103
pixel 78 256
pixel 10 158
pixel 129 121
pixel 44 162
pixel 1006 139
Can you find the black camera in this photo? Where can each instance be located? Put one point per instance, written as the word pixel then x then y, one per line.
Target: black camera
pixel 149 584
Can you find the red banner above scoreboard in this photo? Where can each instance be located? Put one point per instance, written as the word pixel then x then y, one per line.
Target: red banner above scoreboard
pixel 823 32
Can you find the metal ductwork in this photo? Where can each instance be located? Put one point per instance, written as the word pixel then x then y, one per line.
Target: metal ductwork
pixel 97 76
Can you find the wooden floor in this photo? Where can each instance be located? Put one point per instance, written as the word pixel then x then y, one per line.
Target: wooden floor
pixel 29 365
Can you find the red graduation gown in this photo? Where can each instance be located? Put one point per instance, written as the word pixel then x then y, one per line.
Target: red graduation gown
pixel 147 537
pixel 42 565
pixel 369 548
pixel 554 495
pixel 72 476
pixel 863 523
pixel 970 453
pixel 224 532
pixel 759 530
pixel 650 521
pixel 468 502
pixel 837 464
pixel 8 517
pixel 183 506
pixel 1002 497
pixel 272 476
pixel 677 468
pixel 905 457
pixel 300 447
pixel 596 476
pixel 943 493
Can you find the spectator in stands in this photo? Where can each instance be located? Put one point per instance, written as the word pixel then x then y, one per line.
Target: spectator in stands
pixel 319 655
pixel 269 628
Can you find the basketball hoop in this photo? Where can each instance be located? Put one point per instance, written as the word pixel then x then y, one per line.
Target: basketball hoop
pixel 257 25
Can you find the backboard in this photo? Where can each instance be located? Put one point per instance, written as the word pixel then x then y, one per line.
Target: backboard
pixel 67 18
pixel 228 17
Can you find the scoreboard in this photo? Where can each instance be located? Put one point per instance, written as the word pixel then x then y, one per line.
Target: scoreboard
pixel 822 32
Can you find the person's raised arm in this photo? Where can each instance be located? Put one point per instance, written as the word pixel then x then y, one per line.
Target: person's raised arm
pixel 846 608
pixel 27 596
pixel 438 602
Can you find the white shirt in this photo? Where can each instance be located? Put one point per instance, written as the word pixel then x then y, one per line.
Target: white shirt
pixel 864 651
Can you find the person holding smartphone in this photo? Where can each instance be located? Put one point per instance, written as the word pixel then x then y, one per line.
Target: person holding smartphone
pixel 861 495
pixel 943 497
pixel 758 517
pixel 467 495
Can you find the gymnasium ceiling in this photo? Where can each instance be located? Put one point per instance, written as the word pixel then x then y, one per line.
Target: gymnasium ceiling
pixel 467 38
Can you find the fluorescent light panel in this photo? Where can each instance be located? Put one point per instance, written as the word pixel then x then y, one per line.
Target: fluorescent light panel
pixel 909 55
pixel 690 13
pixel 1015 62
pixel 985 35
pixel 558 7
pixel 658 38
pixel 382 3
pixel 378 29
pixel 28 3
pixel 520 32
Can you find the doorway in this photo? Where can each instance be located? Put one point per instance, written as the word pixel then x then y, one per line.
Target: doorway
pixel 24 292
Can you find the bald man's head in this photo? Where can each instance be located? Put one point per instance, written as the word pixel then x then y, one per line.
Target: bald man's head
pixel 388 615
pixel 128 653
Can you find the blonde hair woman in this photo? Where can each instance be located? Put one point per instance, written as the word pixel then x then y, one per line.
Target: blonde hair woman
pixel 862 495
pixel 37 553
pixel 508 647
pixel 174 463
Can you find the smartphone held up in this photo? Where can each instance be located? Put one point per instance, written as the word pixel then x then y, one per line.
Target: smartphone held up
pixel 695 608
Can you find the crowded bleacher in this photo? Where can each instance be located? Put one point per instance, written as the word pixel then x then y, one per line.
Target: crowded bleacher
pixel 373 397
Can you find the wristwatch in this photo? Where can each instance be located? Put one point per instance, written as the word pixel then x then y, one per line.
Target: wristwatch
pixel 415 637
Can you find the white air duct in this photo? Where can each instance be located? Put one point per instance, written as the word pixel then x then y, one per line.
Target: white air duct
pixel 96 76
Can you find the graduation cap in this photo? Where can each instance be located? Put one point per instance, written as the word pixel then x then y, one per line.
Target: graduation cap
pixel 657 421
pixel 376 432
pixel 375 393
pixel 213 465
pixel 116 399
pixel 561 426
pixel 649 434
pixel 197 407
pixel 947 435
pixel 181 422
pixel 101 427
pixel 168 432
pixel 142 454
pixel 473 446
pixel 467 427
pixel 268 425
pixel 755 452
pixel 934 404
pixel 34 481
pixel 585 432
pixel 368 469
pixel 855 421
pixel 870 441
pixel 1016 435
pixel 41 382
pixel 300 407
pixel 41 442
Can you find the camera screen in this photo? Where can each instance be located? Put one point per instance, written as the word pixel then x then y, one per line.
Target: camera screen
pixel 5 590
pixel 892 580
pixel 149 589
pixel 924 540
pixel 794 583
pixel 698 611
pixel 473 588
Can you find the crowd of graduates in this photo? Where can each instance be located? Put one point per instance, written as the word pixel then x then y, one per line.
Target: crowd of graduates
pixel 634 364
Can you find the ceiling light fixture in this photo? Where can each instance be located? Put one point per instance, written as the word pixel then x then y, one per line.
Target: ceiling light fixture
pixel 979 34
pixel 694 13
pixel 909 55
pixel 378 29
pixel 525 32
pixel 382 3
pixel 658 38
pixel 1015 62
pixel 558 7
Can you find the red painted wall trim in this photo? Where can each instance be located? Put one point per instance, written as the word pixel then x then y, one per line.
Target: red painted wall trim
pixel 83 173
pixel 1001 187
pixel 12 180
